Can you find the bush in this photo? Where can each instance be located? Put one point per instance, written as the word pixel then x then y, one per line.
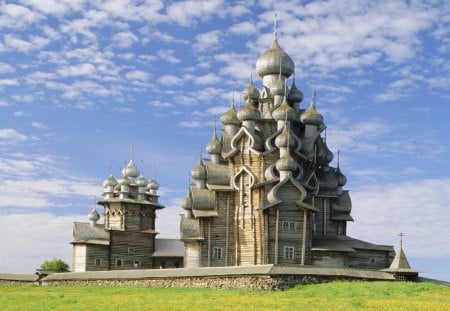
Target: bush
pixel 55 265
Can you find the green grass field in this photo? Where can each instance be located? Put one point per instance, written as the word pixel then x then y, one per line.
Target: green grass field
pixel 330 296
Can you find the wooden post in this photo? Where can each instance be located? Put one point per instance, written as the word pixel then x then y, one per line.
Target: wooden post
pixel 277 219
pixel 325 203
pixel 236 234
pixel 227 229
pixel 209 242
pixel 305 220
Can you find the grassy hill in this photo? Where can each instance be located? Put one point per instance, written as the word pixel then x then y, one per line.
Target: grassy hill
pixel 330 296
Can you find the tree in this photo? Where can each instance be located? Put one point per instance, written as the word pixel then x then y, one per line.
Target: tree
pixel 56 265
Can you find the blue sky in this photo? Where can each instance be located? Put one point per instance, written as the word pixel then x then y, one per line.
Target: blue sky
pixel 80 81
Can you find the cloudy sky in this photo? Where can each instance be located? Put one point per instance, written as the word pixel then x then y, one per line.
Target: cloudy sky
pixel 80 81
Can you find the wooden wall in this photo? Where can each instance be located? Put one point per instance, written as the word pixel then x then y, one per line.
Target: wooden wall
pixel 143 245
pixel 94 252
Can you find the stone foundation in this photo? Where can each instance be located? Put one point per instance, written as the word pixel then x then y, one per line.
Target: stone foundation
pixel 264 283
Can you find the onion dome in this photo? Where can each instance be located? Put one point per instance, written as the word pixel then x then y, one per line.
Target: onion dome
pixel 273 60
pixel 248 112
pixel 286 163
pixel 110 181
pixel 93 215
pixel 294 95
pixel 284 140
pixel 328 154
pixel 141 181
pixel 230 116
pixel 199 171
pixel 278 87
pixel 311 116
pixel 186 202
pixel 250 91
pixel 130 170
pixel 342 180
pixel 153 185
pixel 283 112
pixel 214 147
pixel 124 181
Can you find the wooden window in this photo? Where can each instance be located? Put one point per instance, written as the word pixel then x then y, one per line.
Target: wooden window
pixel 119 263
pixel 372 260
pixel 291 225
pixel 288 225
pixel 217 253
pixel 137 264
pixel 98 261
pixel 289 252
pixel 130 250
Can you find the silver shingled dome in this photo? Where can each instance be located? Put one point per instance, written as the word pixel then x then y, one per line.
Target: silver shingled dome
pixel 273 60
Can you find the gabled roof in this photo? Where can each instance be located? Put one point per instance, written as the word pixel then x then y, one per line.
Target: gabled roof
pixel 84 233
pixel 327 242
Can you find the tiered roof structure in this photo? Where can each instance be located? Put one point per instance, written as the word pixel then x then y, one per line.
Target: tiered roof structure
pixel 127 239
pixel 268 194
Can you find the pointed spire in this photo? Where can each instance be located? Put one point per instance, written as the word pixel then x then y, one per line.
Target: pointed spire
pixel 153 171
pixel 142 167
pixel 275 27
pixel 232 98
pixel 131 152
pixel 201 149
pixel 110 167
pixel 339 151
pixel 313 97
pixel 401 235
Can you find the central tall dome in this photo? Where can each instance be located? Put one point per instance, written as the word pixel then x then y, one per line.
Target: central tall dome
pixel 268 194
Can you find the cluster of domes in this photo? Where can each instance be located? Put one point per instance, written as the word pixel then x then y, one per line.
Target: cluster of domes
pixel 131 178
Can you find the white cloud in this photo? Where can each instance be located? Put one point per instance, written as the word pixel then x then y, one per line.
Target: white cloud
pixel 8 82
pixel 207 41
pixel 6 68
pixel 54 7
pixel 11 136
pixel 168 55
pixel 170 80
pixel 191 124
pixel 207 79
pixel 84 69
pixel 35 43
pixel 357 137
pixel 185 12
pixel 17 16
pixel 124 110
pixel 3 104
pixel 160 104
pixel 417 208
pixel 25 114
pixel 137 75
pixel 45 236
pixel 39 125
pixel 243 28
pixel 124 39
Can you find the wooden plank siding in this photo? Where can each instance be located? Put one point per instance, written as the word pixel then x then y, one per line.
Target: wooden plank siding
pixel 142 245
pixel 97 252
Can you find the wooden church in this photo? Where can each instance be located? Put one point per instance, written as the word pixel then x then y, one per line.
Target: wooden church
pixel 127 239
pixel 268 194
